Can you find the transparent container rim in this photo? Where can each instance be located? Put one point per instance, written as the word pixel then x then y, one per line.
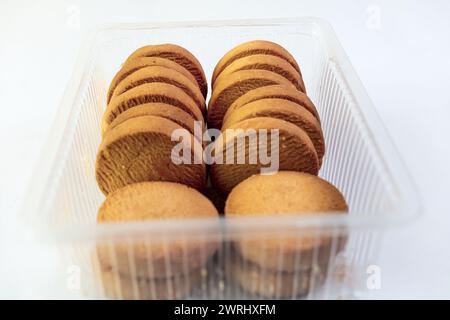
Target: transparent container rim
pixel 212 228
pixel 410 205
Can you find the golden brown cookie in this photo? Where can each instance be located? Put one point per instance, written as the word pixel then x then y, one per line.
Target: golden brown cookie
pixel 178 55
pixel 231 87
pixel 265 62
pixel 282 194
pixel 276 92
pixel 251 48
pixel 290 249
pixel 153 257
pixel 148 93
pixel 119 286
pixel 274 284
pixel 161 110
pixel 294 148
pixel 165 75
pixel 140 149
pixel 142 62
pixel 284 110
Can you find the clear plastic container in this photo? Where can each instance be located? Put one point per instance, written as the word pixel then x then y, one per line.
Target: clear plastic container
pixel 360 160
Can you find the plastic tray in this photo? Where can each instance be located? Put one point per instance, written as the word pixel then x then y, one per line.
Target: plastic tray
pixel 360 160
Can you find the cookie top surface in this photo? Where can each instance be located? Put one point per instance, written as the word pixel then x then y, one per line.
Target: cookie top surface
pixel 141 149
pixel 231 87
pixel 284 110
pixel 294 151
pixel 178 55
pixel 148 93
pixel 286 192
pixel 141 62
pixel 155 125
pixel 267 123
pixel 251 48
pixel 157 74
pixel 162 110
pixel 276 92
pixel 155 201
pixel 265 62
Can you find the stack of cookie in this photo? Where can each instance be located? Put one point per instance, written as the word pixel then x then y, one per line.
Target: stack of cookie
pixel 285 264
pixel 258 86
pixel 147 268
pixel 160 90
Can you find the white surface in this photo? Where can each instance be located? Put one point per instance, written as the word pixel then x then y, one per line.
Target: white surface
pixel 398 48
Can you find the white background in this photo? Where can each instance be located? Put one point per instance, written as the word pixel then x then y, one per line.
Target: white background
pixel 400 49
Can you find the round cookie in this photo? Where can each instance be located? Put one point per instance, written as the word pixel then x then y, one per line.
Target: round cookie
pixel 142 62
pixel 118 286
pixel 289 250
pixel 148 93
pixel 273 284
pixel 274 92
pixel 265 62
pixel 282 194
pixel 231 87
pixel 140 149
pixel 156 258
pixel 165 75
pixel 163 110
pixel 295 151
pixel 251 48
pixel 284 110
pixel 178 55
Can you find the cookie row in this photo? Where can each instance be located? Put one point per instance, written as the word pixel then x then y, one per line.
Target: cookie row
pixel 155 263
pixel 274 265
pixel 248 66
pixel 159 90
pixel 282 264
pixel 258 86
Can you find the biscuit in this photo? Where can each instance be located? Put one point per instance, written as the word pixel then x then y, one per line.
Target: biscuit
pixel 141 62
pixel 252 48
pixel 290 250
pixel 162 110
pixel 140 149
pixel 148 93
pixel 151 257
pixel 274 284
pixel 284 110
pixel 274 92
pixel 165 75
pixel 265 62
pixel 178 55
pixel 295 150
pixel 231 87
pixel 118 286
pixel 286 193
